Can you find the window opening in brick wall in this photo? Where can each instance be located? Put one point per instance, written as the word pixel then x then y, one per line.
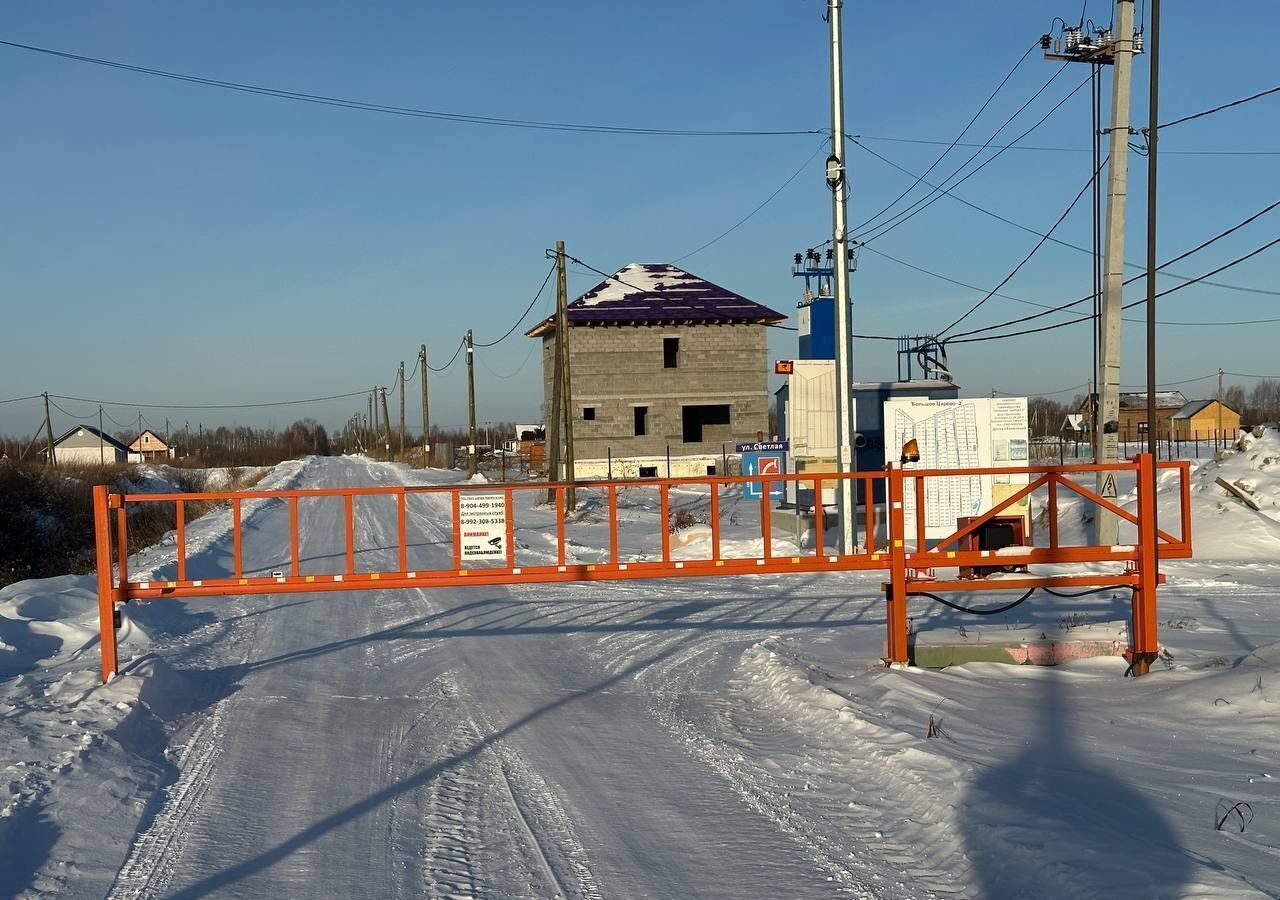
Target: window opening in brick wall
pixel 588 413
pixel 695 420
pixel 641 420
pixel 670 352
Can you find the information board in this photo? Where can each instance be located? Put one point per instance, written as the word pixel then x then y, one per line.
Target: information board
pixel 482 523
pixel 960 434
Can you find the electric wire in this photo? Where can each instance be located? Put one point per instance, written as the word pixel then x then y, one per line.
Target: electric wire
pixel 1042 149
pixel 528 309
pixel 761 206
pixel 1056 240
pixel 367 106
pixel 956 339
pixel 21 399
pixel 492 371
pixel 951 146
pixel 1220 108
pixel 209 405
pixel 929 199
pixel 461 343
pixel 978 612
pixel 693 305
pixel 1040 243
pixel 1181 256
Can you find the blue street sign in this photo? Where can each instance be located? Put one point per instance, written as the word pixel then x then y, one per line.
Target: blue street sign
pixel 772 463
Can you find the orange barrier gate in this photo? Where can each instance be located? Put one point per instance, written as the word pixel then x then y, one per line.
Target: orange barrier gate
pixel 910 570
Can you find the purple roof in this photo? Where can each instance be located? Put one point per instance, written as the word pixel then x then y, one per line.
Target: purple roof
pixel 660 292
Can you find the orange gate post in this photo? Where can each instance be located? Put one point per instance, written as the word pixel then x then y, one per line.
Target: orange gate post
pixel 1145 644
pixel 896 595
pixel 106 591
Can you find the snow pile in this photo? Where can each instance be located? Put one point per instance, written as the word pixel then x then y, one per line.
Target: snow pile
pixel 76 754
pixel 1222 526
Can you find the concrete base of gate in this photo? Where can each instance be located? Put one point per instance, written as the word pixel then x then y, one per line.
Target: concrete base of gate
pixel 940 648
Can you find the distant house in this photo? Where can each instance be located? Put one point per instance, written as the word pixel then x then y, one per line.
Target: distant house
pixel 661 361
pixel 1200 420
pixel 1075 427
pixel 1133 413
pixel 148 447
pixel 86 445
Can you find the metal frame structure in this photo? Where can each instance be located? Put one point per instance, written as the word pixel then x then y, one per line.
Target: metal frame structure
pixel 909 560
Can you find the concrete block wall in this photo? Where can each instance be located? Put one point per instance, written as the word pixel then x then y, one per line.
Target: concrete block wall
pixel 616 368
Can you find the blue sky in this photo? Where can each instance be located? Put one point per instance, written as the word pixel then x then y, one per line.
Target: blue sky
pixel 164 242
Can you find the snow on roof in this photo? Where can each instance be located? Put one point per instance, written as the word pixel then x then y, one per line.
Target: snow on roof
pixel 661 292
pixel 1164 400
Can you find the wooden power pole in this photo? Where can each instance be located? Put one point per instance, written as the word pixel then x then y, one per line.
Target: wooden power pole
pixel 402 407
pixel 426 419
pixel 566 387
pixel 386 425
pixel 48 433
pixel 554 415
pixel 472 462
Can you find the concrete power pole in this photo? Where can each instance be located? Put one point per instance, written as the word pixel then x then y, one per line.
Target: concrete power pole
pixel 48 434
pixel 836 180
pixel 369 420
pixel 402 407
pixel 472 462
pixel 554 415
pixel 566 399
pixel 426 419
pixel 1113 272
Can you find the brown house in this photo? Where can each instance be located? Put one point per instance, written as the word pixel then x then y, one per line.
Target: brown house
pixel 1202 419
pixel 149 446
pixel 1133 413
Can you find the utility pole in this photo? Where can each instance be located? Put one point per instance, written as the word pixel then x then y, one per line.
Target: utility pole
pixel 472 462
pixel 566 398
pixel 426 420
pixel 369 427
pixel 1113 272
pixel 386 425
pixel 1220 434
pixel 839 184
pixel 48 433
pixel 554 415
pixel 1117 50
pixel 102 445
pixel 402 407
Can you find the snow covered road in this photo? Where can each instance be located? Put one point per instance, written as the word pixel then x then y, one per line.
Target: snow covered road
pixel 730 738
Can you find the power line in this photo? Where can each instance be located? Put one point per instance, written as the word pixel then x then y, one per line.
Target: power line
pixel 209 405
pixel 1058 241
pixel 714 312
pixel 1041 149
pixel 1220 108
pixel 993 337
pixel 523 316
pixel 451 359
pixel 528 356
pixel 929 199
pixel 980 290
pixel 463 118
pixel 762 205
pixel 1181 256
pixel 951 146
pixel 21 399
pixel 1040 243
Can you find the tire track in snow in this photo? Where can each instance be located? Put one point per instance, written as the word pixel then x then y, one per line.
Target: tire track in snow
pixel 157 851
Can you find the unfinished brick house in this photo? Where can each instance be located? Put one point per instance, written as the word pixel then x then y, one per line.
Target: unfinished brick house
pixel 661 360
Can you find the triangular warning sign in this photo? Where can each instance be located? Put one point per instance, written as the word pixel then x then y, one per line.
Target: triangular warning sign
pixel 1109 486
